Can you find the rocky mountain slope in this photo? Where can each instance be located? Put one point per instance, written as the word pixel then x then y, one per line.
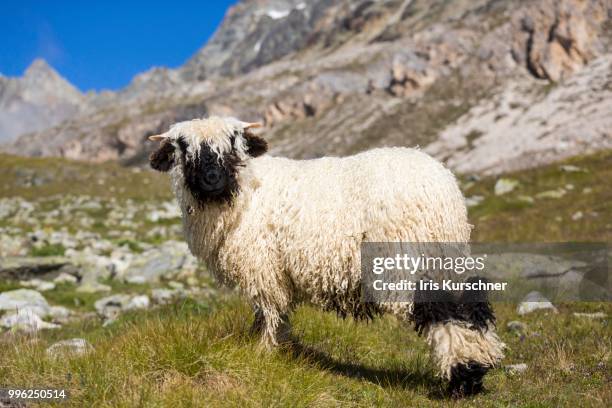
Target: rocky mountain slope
pixel 39 99
pixel 486 85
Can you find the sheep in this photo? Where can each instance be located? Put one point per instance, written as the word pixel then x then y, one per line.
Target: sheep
pixel 288 231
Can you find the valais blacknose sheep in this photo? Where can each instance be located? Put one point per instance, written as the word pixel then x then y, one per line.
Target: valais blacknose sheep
pixel 289 231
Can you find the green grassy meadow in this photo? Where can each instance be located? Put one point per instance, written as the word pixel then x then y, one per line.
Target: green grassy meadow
pixel 196 353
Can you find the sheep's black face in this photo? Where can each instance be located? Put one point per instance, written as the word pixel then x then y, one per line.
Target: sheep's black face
pixel 208 177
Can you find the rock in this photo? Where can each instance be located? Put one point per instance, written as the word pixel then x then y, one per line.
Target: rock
pixel 93 287
pixel 136 280
pixel 557 37
pixel 65 278
pixel 59 312
pixel 516 368
pixel 525 199
pixel 504 186
pixel 71 347
pixel 25 320
pixel 35 101
pixel 30 267
pixel 22 298
pixel 517 326
pixel 558 193
pixel 165 261
pixel 473 201
pixel 165 296
pixel 597 315
pixel 38 284
pixel 578 215
pixel 93 267
pixel 409 73
pixel 176 285
pixel 535 301
pixel 168 210
pixel 138 302
pixel 569 168
pixel 11 246
pixel 111 306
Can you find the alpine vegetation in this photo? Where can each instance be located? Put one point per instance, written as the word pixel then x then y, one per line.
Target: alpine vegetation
pixel 286 232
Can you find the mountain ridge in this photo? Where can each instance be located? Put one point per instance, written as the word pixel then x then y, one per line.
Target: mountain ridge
pixel 362 74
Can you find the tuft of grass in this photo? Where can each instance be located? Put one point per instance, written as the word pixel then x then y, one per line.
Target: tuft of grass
pixel 48 250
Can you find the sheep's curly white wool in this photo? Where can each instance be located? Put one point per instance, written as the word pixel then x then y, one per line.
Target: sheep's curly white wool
pixel 293 232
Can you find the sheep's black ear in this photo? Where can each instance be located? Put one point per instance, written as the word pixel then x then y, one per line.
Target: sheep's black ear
pixel 256 146
pixel 163 158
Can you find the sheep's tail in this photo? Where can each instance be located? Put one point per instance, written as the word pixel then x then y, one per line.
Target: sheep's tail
pixel 461 335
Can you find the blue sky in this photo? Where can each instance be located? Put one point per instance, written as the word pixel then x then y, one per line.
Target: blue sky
pixel 103 44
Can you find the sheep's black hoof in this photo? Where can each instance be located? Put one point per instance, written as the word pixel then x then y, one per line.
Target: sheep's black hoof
pixel 466 379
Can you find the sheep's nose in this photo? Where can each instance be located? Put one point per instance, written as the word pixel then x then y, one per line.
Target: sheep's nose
pixel 212 176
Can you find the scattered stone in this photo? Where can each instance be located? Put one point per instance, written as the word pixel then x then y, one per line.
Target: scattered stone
pixel 25 320
pixel 111 306
pixel 517 326
pixel 38 284
pixel 74 347
pixel 165 296
pixel 504 186
pixel 558 193
pixel 11 246
pixel 516 368
pixel 65 278
pixel 30 267
pixel 176 285
pixel 578 215
pixel 569 168
pixel 165 260
pixel 22 298
pixel 137 303
pixel 473 201
pixel 587 190
pixel 59 312
pixel 569 187
pixel 169 210
pixel 597 315
pixel 525 199
pixel 136 280
pixel 192 281
pixel 535 301
pixel 93 287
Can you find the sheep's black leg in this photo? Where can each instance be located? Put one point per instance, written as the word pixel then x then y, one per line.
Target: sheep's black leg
pixel 466 379
pixel 259 321
pixel 461 334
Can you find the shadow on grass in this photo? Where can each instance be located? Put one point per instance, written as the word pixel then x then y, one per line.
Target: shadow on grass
pixel 383 377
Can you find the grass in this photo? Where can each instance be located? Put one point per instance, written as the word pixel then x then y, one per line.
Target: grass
pixel 49 250
pixel 509 218
pixel 193 355
pixel 201 354
pixel 59 176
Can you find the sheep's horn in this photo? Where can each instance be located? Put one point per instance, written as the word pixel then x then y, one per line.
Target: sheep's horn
pixel 157 138
pixel 252 125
